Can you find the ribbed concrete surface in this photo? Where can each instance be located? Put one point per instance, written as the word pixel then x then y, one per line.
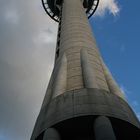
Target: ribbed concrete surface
pixel 83 71
pixel 75 35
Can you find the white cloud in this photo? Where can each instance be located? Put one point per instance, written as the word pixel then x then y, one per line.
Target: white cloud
pixel 45 37
pixel 124 91
pixel 12 16
pixel 110 6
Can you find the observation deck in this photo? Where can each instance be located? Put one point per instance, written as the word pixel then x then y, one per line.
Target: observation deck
pixel 53 7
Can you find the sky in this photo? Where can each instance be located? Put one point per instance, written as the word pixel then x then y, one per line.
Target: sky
pixel 27 48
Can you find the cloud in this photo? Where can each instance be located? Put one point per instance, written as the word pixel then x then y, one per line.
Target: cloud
pixel 125 91
pixel 45 36
pixel 26 60
pixel 110 6
pixel 12 16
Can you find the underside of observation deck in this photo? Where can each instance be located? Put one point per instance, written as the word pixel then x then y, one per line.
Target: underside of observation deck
pixel 53 7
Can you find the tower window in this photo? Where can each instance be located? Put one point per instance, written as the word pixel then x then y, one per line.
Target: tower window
pixel 58 43
pixel 57 53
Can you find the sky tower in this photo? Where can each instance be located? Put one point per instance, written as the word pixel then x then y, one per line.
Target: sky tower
pixel 82 101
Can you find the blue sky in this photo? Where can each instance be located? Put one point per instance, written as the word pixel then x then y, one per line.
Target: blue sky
pixel 27 50
pixel 119 41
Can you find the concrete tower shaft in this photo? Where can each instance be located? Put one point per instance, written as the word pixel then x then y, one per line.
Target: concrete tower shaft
pixel 82 101
pixel 85 69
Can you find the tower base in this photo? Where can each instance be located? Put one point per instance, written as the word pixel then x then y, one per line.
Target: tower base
pixel 73 115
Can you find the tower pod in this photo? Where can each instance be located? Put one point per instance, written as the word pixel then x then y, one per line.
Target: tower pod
pixel 53 7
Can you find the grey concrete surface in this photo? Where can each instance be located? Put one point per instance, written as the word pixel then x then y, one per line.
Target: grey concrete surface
pixel 87 70
pixel 84 102
pixel 51 134
pixel 103 129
